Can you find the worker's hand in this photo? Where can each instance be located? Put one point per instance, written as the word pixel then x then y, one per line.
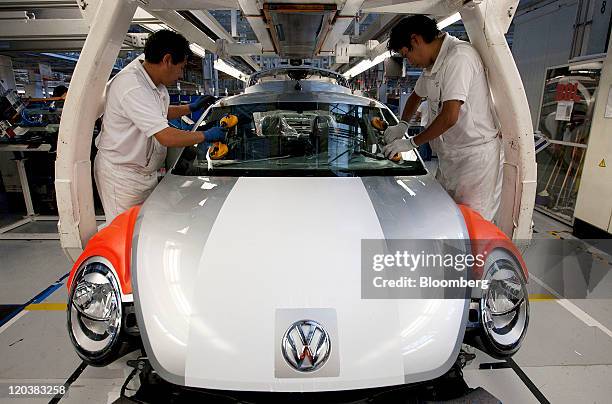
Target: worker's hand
pixel 214 135
pixel 396 132
pixel 202 103
pixel 399 146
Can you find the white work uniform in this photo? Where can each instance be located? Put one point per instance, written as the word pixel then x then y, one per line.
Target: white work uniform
pixel 424 111
pixel 469 153
pixel 129 155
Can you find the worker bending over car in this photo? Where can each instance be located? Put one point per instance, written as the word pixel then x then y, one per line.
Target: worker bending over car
pixel 461 129
pixel 135 132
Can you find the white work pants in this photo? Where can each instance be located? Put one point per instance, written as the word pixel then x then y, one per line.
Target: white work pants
pixel 120 187
pixel 473 176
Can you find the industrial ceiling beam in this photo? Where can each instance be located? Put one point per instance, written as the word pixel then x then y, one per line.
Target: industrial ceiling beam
pixel 344 49
pixel 142 17
pixel 250 10
pixel 14 15
pixel 327 28
pixel 180 24
pixel 396 10
pixel 175 21
pixel 211 22
pixel 429 7
pixel 55 45
pixel 380 26
pixel 52 34
pixel 273 32
pixel 341 22
pixel 190 4
pixel 227 49
pixel 18 5
pixel 20 30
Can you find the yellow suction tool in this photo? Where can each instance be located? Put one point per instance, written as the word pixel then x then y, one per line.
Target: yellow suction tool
pixel 218 150
pixel 382 125
pixel 379 123
pixel 229 121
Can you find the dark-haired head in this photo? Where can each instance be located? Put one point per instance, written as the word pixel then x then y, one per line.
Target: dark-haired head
pixel 166 55
pixel 401 34
pixel 417 38
pixel 166 42
pixel 60 91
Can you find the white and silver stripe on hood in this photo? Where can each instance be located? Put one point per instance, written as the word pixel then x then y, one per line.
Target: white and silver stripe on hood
pixel 208 278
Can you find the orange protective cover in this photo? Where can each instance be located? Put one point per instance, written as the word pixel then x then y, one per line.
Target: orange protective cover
pixel 486 237
pixel 114 242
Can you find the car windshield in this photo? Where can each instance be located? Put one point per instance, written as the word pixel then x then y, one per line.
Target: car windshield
pixel 297 139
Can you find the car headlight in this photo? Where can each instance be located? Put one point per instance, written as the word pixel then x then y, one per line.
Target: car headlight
pixel 94 313
pixel 504 305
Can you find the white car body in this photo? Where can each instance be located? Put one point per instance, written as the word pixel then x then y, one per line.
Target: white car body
pixel 227 257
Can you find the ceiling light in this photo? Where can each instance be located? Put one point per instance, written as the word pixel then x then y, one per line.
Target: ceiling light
pixel 197 49
pixel 219 64
pixel 365 65
pixel 156 27
pixel 449 21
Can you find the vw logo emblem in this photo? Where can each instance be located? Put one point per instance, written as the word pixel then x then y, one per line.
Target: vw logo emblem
pixel 306 346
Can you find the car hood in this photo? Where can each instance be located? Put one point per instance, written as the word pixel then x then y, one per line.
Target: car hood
pixel 221 267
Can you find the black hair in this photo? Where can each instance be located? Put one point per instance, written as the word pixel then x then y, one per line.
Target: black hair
pixel 59 91
pixel 418 24
pixel 164 42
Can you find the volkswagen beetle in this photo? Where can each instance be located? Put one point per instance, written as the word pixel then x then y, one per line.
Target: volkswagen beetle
pixel 242 271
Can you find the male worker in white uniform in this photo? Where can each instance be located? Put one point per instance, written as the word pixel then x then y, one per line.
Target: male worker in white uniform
pixel 135 132
pixel 461 127
pixel 422 114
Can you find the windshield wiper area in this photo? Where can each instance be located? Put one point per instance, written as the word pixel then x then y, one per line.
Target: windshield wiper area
pixel 354 154
pixel 372 155
pixel 226 163
pixel 359 152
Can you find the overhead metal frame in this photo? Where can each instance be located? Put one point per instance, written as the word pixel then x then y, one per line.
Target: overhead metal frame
pixel 43 29
pixel 429 7
pixel 341 22
pixel 256 19
pixel 211 22
pixel 486 23
pixel 18 5
pixel 328 10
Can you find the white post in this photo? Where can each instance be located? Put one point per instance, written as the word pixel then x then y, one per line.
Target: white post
pixel 25 186
pixel 234 23
pixel 512 110
pixel 83 105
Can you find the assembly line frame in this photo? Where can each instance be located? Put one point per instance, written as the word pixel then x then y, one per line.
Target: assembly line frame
pixel 486 22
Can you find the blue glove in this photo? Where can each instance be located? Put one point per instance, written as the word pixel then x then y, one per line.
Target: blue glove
pixel 214 135
pixel 202 102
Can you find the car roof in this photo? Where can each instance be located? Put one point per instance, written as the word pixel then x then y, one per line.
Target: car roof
pixel 298 84
pixel 297 72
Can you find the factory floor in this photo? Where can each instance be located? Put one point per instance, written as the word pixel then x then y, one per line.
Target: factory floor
pixel 566 356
